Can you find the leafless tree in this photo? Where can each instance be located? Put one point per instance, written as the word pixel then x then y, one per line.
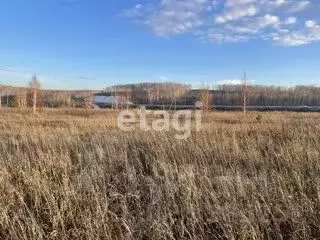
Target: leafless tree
pixel 245 92
pixel 206 98
pixel 35 85
pixel 1 90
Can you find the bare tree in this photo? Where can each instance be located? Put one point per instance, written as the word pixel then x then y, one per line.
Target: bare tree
pixel 1 90
pixel 244 93
pixel 35 85
pixel 206 99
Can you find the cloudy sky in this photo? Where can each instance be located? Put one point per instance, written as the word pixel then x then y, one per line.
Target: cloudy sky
pixel 95 43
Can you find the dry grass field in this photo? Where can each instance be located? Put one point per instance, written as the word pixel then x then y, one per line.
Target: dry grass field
pixel 71 174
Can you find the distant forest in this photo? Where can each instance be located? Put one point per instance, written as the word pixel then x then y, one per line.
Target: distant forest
pixel 166 94
pixel 258 95
pixel 224 95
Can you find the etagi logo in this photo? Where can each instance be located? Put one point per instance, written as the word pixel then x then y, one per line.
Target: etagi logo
pixel 181 121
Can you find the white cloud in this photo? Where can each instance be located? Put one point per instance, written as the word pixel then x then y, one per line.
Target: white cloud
pixel 290 20
pixel 269 20
pixel 175 16
pixel 164 78
pixel 230 82
pixel 237 13
pixel 311 24
pixel 233 3
pixel 307 35
pixel 138 6
pixel 298 6
pixel 280 2
pixel 234 82
pixel 220 21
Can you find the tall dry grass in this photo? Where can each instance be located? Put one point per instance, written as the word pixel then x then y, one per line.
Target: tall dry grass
pixel 71 174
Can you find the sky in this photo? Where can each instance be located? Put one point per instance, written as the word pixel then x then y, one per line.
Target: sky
pixel 91 44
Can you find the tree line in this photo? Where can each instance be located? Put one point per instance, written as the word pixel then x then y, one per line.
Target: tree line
pixel 163 93
pixel 258 95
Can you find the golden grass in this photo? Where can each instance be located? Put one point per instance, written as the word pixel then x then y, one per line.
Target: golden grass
pixel 71 174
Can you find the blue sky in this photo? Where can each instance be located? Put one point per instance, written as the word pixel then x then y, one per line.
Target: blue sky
pixel 81 44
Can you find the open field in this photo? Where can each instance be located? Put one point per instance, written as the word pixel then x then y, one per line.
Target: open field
pixel 71 174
